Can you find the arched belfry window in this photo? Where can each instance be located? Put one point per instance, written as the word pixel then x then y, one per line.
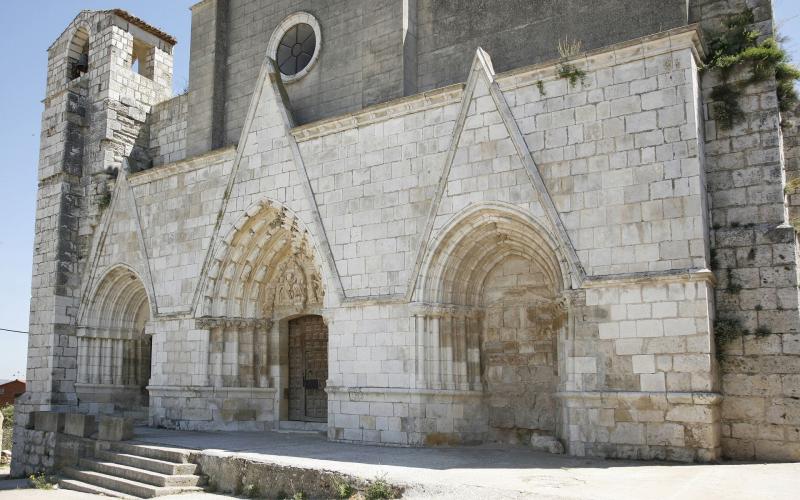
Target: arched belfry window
pixel 295 45
pixel 78 54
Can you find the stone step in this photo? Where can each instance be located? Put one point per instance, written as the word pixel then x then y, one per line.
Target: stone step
pixel 175 455
pixel 75 485
pixel 140 475
pixel 302 427
pixel 151 464
pixel 125 486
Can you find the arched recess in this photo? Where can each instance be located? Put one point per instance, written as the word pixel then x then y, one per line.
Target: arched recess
pixel 264 273
pixel 114 344
pixel 489 314
pixel 78 53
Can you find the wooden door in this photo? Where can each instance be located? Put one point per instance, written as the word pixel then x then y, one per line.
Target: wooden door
pixel 308 369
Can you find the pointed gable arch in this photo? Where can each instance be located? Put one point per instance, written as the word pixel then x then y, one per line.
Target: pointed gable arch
pixel 267 261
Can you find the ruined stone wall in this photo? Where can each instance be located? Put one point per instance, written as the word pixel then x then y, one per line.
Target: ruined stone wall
pixel 520 353
pixel 755 259
pixel 167 130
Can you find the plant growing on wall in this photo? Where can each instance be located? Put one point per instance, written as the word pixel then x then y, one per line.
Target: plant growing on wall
pixel 737 48
pixel 569 49
pixel 726 330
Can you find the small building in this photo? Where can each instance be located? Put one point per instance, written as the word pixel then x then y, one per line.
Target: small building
pixel 9 390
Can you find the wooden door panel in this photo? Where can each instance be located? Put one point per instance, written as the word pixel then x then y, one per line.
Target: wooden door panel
pixel 308 369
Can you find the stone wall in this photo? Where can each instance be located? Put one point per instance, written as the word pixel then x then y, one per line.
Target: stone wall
pixel 644 384
pixel 167 131
pixel 360 62
pixel 755 260
pixel 34 452
pixel 370 54
pixel 415 176
pixel 520 33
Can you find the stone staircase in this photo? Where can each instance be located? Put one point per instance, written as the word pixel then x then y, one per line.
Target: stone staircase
pixel 130 470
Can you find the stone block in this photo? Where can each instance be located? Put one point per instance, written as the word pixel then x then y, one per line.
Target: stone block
pixel 644 364
pixel 547 444
pixel 653 382
pixel 48 421
pixel 628 433
pixel 78 424
pixel 665 434
pixel 115 429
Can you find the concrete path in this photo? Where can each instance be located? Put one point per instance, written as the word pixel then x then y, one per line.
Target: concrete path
pixel 498 472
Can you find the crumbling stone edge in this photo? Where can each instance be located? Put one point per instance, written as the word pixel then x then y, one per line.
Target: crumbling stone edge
pixel 231 473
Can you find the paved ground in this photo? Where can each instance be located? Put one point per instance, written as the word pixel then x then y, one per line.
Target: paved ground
pixel 494 472
pixel 477 472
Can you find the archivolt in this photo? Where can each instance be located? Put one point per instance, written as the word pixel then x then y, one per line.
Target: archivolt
pixel 265 262
pixel 119 307
pixel 473 244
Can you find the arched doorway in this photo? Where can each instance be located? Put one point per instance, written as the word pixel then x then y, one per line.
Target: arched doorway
pixel 114 346
pixel 491 317
pixel 262 306
pixel 308 369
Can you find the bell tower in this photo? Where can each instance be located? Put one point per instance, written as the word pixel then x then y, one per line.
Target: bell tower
pixel 105 72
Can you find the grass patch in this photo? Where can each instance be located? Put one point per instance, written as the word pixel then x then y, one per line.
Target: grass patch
pixel 343 488
pixel 379 489
pixel 41 481
pixel 251 491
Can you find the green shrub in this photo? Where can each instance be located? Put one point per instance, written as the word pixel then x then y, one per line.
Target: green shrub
pixel 251 491
pixel 343 488
pixel 8 426
pixel 379 489
pixel 737 47
pixel 41 481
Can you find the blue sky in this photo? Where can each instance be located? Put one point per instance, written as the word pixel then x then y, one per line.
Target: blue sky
pixel 28 29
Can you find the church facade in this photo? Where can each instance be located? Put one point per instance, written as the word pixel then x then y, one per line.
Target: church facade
pixel 414 223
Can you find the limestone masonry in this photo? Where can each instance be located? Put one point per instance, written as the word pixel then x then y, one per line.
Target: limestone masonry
pixel 353 220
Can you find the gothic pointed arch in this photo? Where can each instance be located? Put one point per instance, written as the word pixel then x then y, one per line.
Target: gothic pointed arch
pixel 265 270
pixel 489 316
pixel 266 264
pixel 114 344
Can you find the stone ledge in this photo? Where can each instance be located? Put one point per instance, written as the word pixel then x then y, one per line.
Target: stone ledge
pixel 697 398
pixel 638 48
pixel 381 112
pixel 404 391
pixel 154 390
pixel 676 276
pixel 214 157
